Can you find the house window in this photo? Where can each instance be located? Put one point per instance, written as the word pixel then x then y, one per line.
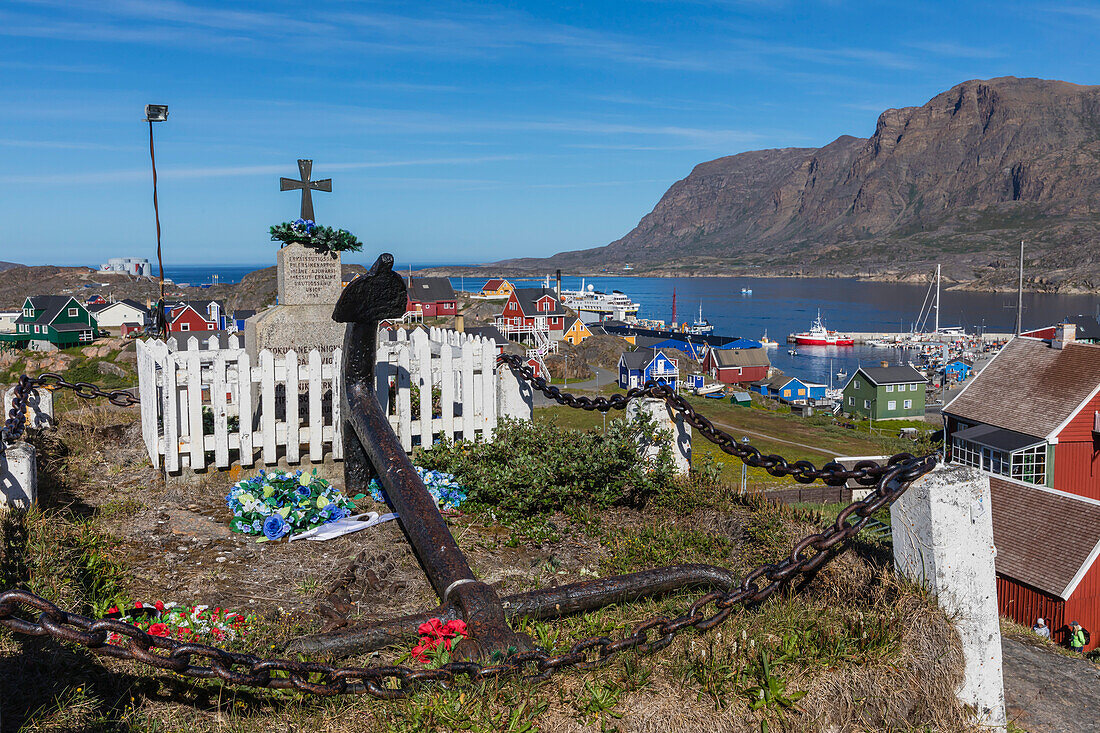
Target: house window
pixel 851 402
pixel 85 335
pixel 855 384
pixel 1030 464
pixel 185 326
pixel 912 388
pixel 36 329
pixel 1027 465
pixel 892 405
pixel 889 388
pixel 72 312
pixel 908 404
pixel 801 392
pixel 867 404
pixel 786 393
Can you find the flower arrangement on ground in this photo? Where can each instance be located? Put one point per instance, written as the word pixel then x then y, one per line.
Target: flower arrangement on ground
pixel 199 624
pixel 436 640
pixel 321 238
pixel 443 487
pixel 274 504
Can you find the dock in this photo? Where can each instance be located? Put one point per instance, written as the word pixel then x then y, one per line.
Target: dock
pixel 863 337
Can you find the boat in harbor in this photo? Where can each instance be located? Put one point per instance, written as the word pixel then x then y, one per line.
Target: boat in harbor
pixel 818 335
pixel 594 305
pixel 700 326
pixel 746 291
pixel 768 343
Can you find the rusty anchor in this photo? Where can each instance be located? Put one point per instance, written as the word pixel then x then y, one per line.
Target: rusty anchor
pixel 372 449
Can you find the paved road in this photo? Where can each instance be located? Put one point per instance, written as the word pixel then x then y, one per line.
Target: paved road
pixel 1048 693
pixel 603 376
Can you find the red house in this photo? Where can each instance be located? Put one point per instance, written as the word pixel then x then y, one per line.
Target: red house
pixel 183 318
pixel 532 310
pixel 732 366
pixel 431 296
pixel 1032 418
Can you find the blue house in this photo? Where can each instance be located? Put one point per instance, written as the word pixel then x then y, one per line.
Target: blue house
pixel 789 389
pixel 958 369
pixel 228 323
pixel 641 365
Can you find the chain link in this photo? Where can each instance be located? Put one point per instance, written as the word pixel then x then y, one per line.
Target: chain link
pixel 391 682
pixel 16 419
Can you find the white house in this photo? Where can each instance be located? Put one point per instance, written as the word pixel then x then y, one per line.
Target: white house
pixel 113 315
pixel 7 320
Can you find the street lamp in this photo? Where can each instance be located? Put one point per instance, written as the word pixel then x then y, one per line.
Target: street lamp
pixel 157 113
pixel 744 467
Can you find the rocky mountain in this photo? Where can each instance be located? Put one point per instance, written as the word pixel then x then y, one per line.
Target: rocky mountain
pixel 959 180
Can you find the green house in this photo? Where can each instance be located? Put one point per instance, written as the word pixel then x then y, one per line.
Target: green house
pixel 51 322
pixel 885 393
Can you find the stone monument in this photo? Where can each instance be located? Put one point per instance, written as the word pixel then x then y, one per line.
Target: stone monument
pixel 309 284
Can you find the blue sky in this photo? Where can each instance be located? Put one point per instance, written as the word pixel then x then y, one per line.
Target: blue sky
pixel 453 132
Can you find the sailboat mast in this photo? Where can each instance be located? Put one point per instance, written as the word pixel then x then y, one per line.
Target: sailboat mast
pixel 937 298
pixel 1020 293
pixel 674 307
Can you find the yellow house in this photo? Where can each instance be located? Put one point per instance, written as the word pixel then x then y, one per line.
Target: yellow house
pixel 497 288
pixel 577 332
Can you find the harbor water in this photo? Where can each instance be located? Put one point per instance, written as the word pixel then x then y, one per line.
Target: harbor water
pixel 782 306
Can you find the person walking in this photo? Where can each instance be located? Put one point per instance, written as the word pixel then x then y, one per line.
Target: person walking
pixel 1041 629
pixel 1078 637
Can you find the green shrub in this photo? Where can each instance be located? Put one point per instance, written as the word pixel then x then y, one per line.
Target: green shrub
pixel 540 467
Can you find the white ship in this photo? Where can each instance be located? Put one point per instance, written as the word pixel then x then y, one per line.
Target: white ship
pixel 593 305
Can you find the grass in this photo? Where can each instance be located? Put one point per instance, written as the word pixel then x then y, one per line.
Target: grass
pixel 777 665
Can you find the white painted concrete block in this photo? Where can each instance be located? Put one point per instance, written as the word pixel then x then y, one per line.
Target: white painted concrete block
pixel 18 476
pixel 514 396
pixel 665 420
pixel 39 407
pixel 943 537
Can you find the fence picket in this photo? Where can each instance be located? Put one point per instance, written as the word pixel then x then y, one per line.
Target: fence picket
pixel 488 387
pixel 221 413
pixel 171 412
pixel 244 395
pixel 337 405
pixel 316 419
pixel 424 372
pixel 293 436
pixel 469 404
pixel 404 405
pixel 267 406
pixel 447 389
pixel 194 408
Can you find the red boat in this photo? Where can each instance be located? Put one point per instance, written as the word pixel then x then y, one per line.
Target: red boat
pixel 818 335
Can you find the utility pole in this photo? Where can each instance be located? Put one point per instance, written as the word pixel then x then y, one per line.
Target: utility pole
pixel 937 298
pixel 1020 293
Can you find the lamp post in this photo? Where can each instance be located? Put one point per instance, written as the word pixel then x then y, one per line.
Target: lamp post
pixel 744 468
pixel 157 113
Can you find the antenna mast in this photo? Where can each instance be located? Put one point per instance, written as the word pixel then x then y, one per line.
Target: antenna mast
pixel 1020 293
pixel 674 307
pixel 937 298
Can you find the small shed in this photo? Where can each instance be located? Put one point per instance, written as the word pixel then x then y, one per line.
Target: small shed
pixel 741 399
pixel 958 369
pixel 128 329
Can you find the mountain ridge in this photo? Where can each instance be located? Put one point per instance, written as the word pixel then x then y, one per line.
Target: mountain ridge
pixel 960 180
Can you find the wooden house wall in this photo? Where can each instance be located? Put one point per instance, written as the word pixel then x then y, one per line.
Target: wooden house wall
pixel 1076 456
pixel 1084 605
pixel 1023 604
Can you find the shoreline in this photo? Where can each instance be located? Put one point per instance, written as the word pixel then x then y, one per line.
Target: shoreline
pixel 949 284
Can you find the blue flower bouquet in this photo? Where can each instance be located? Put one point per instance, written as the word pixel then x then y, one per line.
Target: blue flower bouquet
pixel 274 504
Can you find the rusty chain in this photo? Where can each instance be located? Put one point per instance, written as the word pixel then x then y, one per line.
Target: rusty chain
pixel 390 682
pixel 16 419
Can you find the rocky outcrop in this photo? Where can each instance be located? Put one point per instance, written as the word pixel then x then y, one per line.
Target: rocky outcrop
pixel 959 180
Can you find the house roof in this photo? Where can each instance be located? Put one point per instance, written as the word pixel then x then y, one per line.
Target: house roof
pixel 648 342
pixel 575 322
pixel 488 332
pixel 999 438
pixel 493 284
pixel 243 314
pixel 430 289
pixel 528 297
pixel 66 327
pixel 891 375
pixel 1026 518
pixel 1031 387
pixel 741 344
pixel 742 396
pixel 639 358
pixel 741 357
pixel 50 305
pixel 96 308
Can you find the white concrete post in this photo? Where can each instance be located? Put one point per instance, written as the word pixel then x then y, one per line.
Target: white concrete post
pixel 943 536
pixel 681 432
pixel 18 476
pixel 39 407
pixel 514 396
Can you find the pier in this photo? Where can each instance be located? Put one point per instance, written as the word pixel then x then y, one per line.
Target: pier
pixel 907 338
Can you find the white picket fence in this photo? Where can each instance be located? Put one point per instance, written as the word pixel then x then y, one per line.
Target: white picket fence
pixel 250 418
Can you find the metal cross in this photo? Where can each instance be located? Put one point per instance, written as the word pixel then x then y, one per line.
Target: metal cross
pixel 305 167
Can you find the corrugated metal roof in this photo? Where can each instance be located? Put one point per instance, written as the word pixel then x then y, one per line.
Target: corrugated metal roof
pixel 1044 538
pixel 741 357
pixel 1030 387
pixel 999 438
